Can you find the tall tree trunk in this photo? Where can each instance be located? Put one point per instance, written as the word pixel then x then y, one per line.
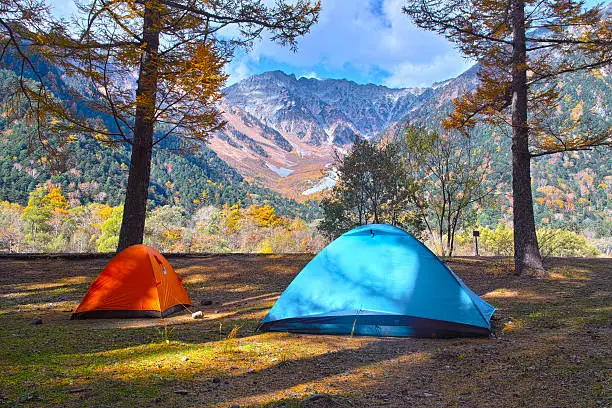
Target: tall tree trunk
pixel 526 253
pixel 135 207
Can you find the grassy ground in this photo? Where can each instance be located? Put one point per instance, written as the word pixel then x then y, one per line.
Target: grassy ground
pixel 553 344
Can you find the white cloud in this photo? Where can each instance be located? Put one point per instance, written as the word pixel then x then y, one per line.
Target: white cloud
pixel 351 37
pixel 420 75
pixel 237 72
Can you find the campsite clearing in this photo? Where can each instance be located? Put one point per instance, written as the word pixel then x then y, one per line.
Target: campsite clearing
pixel 553 345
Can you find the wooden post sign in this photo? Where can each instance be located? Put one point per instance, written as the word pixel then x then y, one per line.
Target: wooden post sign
pixel 476 234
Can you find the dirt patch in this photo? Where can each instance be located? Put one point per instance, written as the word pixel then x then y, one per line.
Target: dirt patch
pixel 552 344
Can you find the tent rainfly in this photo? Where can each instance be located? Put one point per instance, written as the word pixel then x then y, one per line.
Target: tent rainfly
pixel 379 280
pixel 138 282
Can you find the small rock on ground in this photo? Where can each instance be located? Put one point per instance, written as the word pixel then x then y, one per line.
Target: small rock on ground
pixel 37 320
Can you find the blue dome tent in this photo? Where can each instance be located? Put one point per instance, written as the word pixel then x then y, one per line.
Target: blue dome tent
pixel 379 280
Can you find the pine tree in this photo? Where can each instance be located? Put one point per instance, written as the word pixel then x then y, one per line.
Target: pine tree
pixel 522 46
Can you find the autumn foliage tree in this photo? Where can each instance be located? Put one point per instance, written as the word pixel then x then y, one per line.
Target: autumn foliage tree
pixel 44 216
pixel 265 216
pixel 23 23
pixel 522 47
pixel 154 70
pixel 372 187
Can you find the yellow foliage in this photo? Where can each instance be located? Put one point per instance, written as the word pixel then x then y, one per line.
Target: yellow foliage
pixel 105 212
pixel 173 234
pixel 55 199
pixel 232 217
pixel 583 201
pixel 266 248
pixel 264 216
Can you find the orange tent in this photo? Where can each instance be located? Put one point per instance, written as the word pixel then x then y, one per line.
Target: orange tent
pixel 138 282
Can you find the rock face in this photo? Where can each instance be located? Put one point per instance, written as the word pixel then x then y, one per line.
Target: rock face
pixel 286 132
pixel 320 111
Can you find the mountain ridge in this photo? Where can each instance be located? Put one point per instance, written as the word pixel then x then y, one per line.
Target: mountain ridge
pixel 313 120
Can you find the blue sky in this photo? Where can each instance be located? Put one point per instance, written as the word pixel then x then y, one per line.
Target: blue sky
pixel 361 40
pixel 367 41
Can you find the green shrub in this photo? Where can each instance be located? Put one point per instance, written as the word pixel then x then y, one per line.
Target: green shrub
pixel 560 242
pixel 498 241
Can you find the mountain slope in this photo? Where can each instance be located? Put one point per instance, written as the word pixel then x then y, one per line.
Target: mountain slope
pixel 286 132
pixel 92 172
pixel 320 111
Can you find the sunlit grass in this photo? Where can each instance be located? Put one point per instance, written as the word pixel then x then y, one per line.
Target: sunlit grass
pixel 45 286
pixel 501 293
pixel 522 294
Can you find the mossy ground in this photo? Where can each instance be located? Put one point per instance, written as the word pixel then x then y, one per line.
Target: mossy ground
pixel 553 344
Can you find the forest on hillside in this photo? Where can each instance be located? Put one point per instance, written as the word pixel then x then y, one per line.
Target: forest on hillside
pixel 193 194
pixel 48 223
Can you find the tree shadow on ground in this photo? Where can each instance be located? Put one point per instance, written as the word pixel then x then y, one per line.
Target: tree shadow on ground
pixel 554 354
